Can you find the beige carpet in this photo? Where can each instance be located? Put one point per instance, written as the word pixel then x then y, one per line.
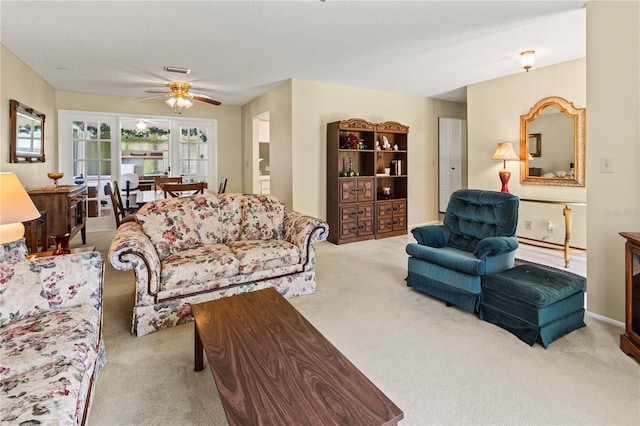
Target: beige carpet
pixel 439 365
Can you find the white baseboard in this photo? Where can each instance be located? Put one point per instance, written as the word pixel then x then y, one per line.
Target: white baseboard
pixel 606 319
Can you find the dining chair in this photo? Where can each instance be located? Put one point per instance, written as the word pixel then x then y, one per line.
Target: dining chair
pixel 183 189
pixel 158 181
pixel 223 185
pixel 119 212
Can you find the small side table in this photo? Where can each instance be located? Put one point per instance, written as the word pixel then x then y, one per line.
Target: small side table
pixel 31 229
pixel 73 251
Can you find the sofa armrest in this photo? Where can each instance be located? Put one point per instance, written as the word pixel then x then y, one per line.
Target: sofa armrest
pixel 132 249
pixel 432 235
pixel 71 280
pixel 493 246
pixel 303 231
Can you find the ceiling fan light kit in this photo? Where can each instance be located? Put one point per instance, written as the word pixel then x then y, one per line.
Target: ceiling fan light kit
pixel 179 97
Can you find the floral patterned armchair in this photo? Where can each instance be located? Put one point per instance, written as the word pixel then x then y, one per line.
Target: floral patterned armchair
pixel 51 346
pixel 204 247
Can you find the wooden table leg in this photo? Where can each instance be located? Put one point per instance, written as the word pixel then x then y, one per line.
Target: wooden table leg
pixel 567 233
pixel 199 362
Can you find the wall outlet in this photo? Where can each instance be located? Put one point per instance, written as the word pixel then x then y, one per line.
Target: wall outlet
pixel 527 225
pixel 606 165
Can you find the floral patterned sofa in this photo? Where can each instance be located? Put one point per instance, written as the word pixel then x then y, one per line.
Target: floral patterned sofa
pixel 205 247
pixel 51 346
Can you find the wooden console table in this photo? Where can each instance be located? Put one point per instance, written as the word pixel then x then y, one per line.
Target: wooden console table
pixel 36 233
pixel 66 208
pixel 567 223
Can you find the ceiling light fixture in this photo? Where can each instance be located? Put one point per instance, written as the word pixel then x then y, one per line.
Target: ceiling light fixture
pixel 178 103
pixel 141 125
pixel 528 58
pixel 178 70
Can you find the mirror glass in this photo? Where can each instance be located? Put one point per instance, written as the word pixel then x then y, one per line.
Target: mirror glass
pixel 552 144
pixel 27 134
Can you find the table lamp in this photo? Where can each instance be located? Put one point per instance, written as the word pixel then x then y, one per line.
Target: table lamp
pixel 15 207
pixel 505 152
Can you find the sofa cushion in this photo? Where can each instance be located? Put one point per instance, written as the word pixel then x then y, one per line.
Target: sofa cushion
pixel 262 217
pixel 206 213
pixel 70 333
pixel 259 255
pixel 230 216
pixel 21 294
pixel 201 264
pixel 169 224
pixel 48 395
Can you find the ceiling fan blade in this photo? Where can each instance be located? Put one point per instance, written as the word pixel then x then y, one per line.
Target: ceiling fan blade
pixel 204 98
pixel 147 98
pixel 158 91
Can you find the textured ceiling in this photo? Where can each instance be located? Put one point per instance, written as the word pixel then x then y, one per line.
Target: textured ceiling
pixel 240 49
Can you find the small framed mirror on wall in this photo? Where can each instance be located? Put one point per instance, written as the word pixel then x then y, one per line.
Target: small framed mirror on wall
pixel 552 144
pixel 26 143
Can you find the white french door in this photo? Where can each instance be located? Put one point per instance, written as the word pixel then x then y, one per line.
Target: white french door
pixel 87 154
pixel 90 152
pixel 194 146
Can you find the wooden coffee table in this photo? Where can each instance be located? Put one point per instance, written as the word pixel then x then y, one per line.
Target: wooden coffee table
pixel 272 367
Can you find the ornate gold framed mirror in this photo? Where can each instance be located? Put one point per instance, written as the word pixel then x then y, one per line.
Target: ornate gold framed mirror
pixel 557 126
pixel 27 134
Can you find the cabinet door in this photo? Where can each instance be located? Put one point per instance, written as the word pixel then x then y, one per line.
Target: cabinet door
pixel 349 221
pixel 365 219
pixel 348 190
pixel 385 217
pixel 399 215
pixel 365 189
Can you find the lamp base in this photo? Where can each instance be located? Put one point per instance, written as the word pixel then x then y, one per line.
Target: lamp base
pixel 505 175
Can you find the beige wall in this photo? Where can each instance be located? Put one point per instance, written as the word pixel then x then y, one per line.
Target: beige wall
pixel 494 109
pixel 613 131
pixel 277 102
pixel 21 83
pixel 314 105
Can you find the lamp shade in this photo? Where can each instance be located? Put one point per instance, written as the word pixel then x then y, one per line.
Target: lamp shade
pixel 15 207
pixel 505 151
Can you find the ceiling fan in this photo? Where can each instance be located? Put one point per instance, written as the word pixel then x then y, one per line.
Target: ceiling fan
pixel 179 96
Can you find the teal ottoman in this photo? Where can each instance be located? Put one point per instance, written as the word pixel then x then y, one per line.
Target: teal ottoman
pixel 533 303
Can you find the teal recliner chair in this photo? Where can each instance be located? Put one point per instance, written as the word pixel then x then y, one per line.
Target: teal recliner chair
pixel 478 237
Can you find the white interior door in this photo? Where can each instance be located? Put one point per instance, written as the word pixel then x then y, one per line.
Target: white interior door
pixel 450 159
pixel 194 151
pixel 87 148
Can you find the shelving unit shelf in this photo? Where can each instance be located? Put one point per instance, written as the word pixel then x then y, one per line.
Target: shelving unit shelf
pixel 366 180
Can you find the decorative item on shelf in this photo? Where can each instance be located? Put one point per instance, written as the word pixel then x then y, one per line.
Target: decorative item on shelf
pixel 385 143
pixel 79 180
pixel 395 147
pixel 505 152
pixel 62 244
pixel 55 177
pixel 350 171
pixel 396 167
pixel 15 207
pixel 378 148
pixel 387 170
pixel 386 193
pixel 351 141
